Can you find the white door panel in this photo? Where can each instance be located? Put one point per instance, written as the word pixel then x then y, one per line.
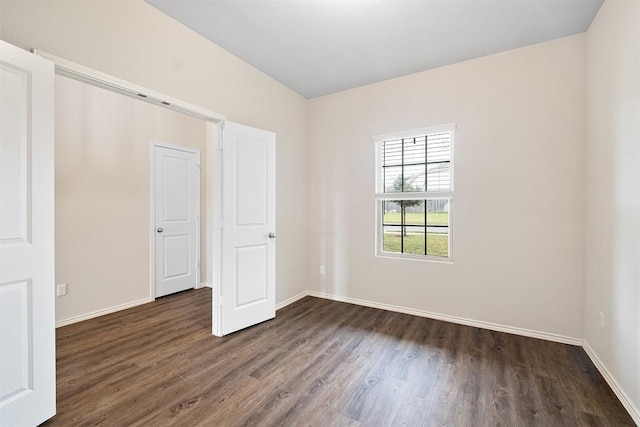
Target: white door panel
pixel 176 255
pixel 176 215
pixel 251 275
pixel 15 168
pixel 251 182
pixel 27 306
pixel 248 216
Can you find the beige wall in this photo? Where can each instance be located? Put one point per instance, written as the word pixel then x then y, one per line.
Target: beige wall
pixel 518 217
pixel 134 41
pixel 102 159
pixel 613 193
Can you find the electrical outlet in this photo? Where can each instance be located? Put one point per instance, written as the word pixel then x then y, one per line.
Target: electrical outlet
pixel 602 321
pixel 322 270
pixel 61 290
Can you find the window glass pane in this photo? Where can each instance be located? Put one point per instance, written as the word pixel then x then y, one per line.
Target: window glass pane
pixel 413 239
pixel 414 151
pixel 438 242
pixel 413 232
pixel 391 239
pixel 439 147
pixel 438 212
pixel 392 153
pixel 391 213
pixel 413 178
pixel 392 179
pixel 413 212
pixel 438 176
pixel 438 227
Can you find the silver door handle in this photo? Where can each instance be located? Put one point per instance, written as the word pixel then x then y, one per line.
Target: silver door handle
pixel 272 235
pixel 160 230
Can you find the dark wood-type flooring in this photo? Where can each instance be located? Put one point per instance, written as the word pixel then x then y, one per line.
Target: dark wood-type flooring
pixel 320 363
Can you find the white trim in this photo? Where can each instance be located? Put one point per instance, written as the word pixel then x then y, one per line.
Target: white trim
pixel 97 78
pixel 291 300
pixel 416 195
pixel 453 319
pixel 152 211
pixel 412 257
pixel 102 312
pixel 619 392
pixel 176 147
pixel 451 127
pixel 215 222
pixel 202 285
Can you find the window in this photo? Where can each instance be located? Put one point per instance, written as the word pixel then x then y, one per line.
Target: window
pixel 414 193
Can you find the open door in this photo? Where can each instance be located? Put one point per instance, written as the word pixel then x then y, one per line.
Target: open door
pixel 247 260
pixel 27 305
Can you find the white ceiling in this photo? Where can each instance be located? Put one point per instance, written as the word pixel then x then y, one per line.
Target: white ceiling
pixel 317 47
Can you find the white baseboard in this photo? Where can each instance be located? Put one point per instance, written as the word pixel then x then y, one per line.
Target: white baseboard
pixel 113 309
pixel 291 300
pixel 622 396
pixel 102 312
pixel 453 319
pixel 366 303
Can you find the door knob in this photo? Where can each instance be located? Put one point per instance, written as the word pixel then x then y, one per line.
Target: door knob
pixel 272 235
pixel 160 230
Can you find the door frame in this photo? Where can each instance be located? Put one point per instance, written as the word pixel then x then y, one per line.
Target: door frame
pixel 214 221
pixel 152 213
pixel 214 123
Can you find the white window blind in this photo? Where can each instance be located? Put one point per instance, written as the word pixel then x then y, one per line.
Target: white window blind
pixel 421 163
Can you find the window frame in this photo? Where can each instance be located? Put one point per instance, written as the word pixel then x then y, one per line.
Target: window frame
pixel 380 196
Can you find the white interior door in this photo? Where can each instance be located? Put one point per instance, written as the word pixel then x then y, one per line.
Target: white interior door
pixel 176 217
pixel 248 247
pixel 27 305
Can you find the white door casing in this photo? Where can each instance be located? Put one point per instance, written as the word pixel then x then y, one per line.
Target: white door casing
pixel 27 305
pixel 176 218
pixel 248 219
